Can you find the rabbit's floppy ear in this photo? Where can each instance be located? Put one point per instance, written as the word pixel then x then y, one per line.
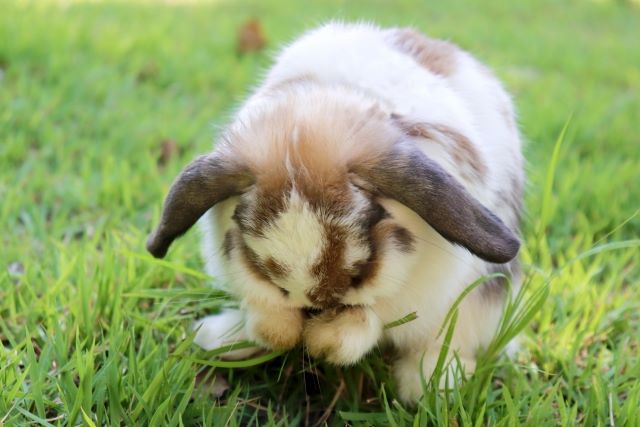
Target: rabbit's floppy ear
pixel 410 177
pixel 204 182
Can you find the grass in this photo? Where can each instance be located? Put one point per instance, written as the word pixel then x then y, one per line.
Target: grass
pixel 95 332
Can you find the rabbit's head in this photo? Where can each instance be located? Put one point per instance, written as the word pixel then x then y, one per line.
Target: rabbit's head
pixel 311 170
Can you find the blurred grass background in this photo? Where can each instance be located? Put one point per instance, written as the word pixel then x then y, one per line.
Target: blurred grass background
pixel 102 103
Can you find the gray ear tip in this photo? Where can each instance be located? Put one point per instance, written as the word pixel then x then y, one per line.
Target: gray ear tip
pixel 156 247
pixel 514 247
pixel 509 251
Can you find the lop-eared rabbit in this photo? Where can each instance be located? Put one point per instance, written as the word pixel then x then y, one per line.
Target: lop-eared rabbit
pixel 374 173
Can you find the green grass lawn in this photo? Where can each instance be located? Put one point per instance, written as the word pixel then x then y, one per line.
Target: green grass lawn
pixel 93 329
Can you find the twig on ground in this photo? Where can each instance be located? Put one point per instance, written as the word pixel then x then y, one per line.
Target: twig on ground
pixel 329 410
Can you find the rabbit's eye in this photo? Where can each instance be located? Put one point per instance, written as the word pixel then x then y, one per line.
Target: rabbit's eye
pixel 376 214
pixel 359 273
pixel 240 212
pixel 284 292
pixel 356 280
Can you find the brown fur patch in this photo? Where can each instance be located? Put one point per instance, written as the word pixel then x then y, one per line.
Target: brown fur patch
pixel 457 146
pixel 275 269
pixel 381 234
pixel 438 56
pixel 333 280
pixel 252 261
pixel 374 215
pixel 264 270
pixel 367 271
pixel 255 212
pixel 403 239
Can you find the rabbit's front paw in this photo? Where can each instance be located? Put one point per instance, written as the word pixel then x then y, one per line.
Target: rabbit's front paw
pixel 225 328
pixel 408 373
pixel 277 329
pixel 342 338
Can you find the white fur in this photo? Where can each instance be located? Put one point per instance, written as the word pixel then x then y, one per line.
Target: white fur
pixel 430 278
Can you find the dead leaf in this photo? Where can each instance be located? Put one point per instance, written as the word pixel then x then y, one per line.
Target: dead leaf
pixel 168 149
pixel 251 37
pixel 147 72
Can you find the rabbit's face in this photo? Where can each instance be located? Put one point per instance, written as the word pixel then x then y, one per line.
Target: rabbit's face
pixel 315 244
pixel 313 170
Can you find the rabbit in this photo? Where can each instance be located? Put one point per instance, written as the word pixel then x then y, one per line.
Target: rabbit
pixel 375 172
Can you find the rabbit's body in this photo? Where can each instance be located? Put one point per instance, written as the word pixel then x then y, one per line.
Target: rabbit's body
pixel 316 138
